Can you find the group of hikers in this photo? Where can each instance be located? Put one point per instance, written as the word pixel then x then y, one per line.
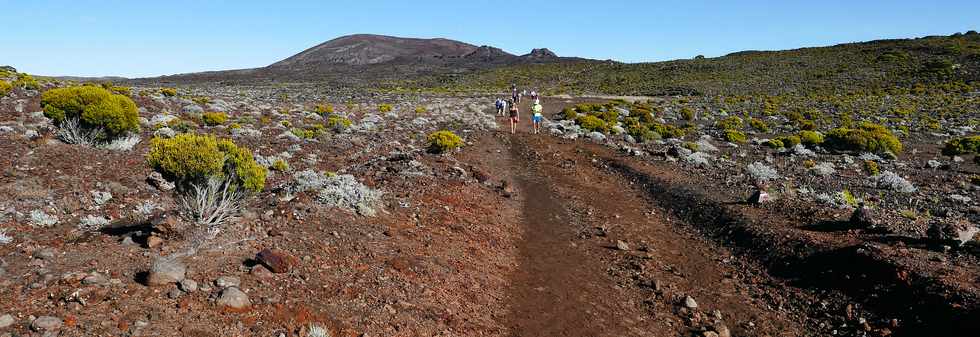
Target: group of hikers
pixel 513 112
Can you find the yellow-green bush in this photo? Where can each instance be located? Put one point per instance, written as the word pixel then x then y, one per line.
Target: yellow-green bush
pixel 735 136
pixel 280 165
pixel 324 109
pixel 94 107
pixel 691 146
pixel 687 113
pixel 191 158
pixel 759 124
pixel 5 88
pixel 168 92
pixel 963 145
pixel 125 91
pixel 668 131
pixel 569 114
pixel 27 82
pixel 871 167
pixel 214 118
pixel 442 141
pixel 811 138
pixel 592 123
pixel 384 108
pixel 338 122
pixel 420 110
pixel 867 137
pixel 775 143
pixel 731 123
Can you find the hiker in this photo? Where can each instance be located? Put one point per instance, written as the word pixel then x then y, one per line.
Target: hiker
pixel 536 117
pixel 514 117
pixel 500 106
pixel 534 95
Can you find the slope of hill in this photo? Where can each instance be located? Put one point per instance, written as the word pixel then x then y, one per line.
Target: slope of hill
pixel 844 67
pixel 357 60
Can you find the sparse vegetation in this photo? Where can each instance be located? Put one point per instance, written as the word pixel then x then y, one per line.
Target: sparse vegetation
pixel 5 88
pixel 384 108
pixel 168 92
pixel 443 141
pixel 94 107
pixel 194 159
pixel 214 118
pixel 867 137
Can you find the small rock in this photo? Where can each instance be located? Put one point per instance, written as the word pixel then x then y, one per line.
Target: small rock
pixel 95 279
pixel 156 179
pixel 166 271
pixel 128 241
pixel 690 303
pixel 227 281
pixel 277 261
pixel 261 271
pixel 723 331
pixel 234 298
pixel 710 334
pixel 153 241
pixel 957 232
pixel 46 324
pixel 863 217
pixel 622 245
pixel 188 285
pixel 45 253
pixel 6 321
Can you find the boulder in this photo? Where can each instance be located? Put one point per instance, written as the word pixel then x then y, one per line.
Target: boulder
pixel 165 271
pixel 234 298
pixel 277 261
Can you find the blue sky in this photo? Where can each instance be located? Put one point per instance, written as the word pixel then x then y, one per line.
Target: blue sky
pixel 149 38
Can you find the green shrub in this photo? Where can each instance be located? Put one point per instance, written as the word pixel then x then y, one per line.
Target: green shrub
pixel 442 141
pixel 735 136
pixel 27 82
pixel 168 92
pixel 285 123
pixel 201 100
pixel 93 107
pixel 730 123
pixel 811 138
pixel 775 143
pixel 871 167
pixel 592 123
pixel 383 108
pixel 234 126
pixel 303 133
pixel 641 133
pixel 420 110
pixel 214 118
pixel 569 114
pixel 691 146
pixel 789 141
pixel 190 158
pixel 324 109
pixel 963 145
pixel 868 137
pixel 975 179
pixel 687 113
pixel 668 131
pixel 125 91
pixel 759 125
pixel 280 165
pixel 5 88
pixel 338 122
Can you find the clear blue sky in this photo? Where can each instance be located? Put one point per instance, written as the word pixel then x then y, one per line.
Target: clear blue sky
pixel 149 38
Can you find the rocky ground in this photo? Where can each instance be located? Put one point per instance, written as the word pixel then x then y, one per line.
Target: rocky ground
pixel 368 234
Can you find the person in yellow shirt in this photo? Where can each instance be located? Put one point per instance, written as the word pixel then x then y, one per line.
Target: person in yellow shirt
pixel 536 116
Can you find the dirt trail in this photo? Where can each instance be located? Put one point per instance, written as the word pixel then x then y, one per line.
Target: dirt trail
pixel 574 282
pixel 559 291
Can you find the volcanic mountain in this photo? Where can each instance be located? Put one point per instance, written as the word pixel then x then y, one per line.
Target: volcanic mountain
pixel 355 58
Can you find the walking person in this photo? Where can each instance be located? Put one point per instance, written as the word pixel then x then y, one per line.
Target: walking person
pixel 536 117
pixel 514 117
pixel 499 104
